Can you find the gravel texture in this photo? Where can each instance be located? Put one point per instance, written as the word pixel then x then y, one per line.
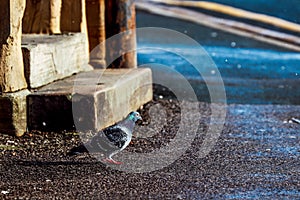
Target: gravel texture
pixel 256 156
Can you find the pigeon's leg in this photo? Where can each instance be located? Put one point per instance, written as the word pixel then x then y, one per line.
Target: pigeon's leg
pixel 109 159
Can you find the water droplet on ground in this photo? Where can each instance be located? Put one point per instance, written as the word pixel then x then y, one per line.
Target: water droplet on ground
pixel 232 44
pixel 214 34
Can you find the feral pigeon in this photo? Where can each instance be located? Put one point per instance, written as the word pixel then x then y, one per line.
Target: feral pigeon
pixel 110 140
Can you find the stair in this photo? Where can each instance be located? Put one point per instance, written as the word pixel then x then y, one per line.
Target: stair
pixel 89 100
pixel 56 99
pixel 48 58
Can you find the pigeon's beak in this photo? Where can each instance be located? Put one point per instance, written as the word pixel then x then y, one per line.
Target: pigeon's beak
pixel 139 120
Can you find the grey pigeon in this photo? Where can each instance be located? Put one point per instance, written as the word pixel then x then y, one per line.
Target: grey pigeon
pixel 110 140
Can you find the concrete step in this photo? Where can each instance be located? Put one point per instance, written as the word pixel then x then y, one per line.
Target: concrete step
pixel 89 100
pixel 48 58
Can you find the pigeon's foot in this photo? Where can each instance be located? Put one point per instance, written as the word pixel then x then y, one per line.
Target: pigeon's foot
pixel 111 161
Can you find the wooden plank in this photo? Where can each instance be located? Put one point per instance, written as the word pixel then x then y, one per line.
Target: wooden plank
pixel 283 40
pixel 51 57
pixel 235 12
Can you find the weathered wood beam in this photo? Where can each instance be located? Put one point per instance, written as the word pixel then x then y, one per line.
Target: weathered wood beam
pixel 120 17
pixel 48 58
pixel 235 12
pixel 11 62
pixel 279 39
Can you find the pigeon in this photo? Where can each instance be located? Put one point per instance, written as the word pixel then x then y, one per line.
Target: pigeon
pixel 110 140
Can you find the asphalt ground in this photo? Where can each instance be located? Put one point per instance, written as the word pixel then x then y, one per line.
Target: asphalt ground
pixel 256 156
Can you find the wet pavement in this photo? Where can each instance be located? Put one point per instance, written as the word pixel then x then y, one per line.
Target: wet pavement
pixel 250 76
pixel 257 156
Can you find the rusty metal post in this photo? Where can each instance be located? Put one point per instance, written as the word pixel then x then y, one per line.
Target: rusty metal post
pixel 120 17
pixel 95 14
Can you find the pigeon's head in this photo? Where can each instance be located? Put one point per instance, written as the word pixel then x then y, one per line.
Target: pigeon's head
pixel 134 116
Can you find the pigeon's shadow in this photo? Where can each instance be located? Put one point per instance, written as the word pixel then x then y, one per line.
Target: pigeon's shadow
pixel 55 163
pixel 58 163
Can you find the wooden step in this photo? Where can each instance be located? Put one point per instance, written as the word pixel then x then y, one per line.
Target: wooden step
pixel 90 100
pixel 48 58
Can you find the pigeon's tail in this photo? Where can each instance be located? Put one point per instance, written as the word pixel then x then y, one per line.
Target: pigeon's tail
pixel 77 150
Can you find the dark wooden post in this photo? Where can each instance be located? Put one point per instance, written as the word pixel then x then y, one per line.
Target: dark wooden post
pixel 120 17
pixel 73 18
pixel 95 14
pixel 42 16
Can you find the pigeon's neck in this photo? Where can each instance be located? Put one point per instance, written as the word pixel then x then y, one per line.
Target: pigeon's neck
pixel 129 124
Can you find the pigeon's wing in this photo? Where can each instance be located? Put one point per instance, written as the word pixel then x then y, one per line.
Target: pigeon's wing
pixel 116 136
pixel 108 140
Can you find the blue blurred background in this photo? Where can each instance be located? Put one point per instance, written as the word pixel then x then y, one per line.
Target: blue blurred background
pixel 253 72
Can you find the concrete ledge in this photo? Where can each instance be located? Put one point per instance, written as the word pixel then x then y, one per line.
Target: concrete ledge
pixel 90 100
pixel 13 112
pixel 52 57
